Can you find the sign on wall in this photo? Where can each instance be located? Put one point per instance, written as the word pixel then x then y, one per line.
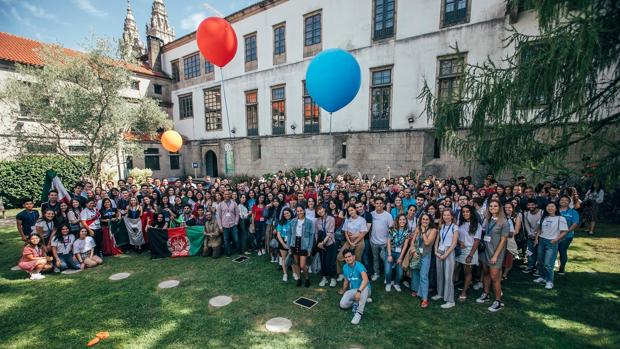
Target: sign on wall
pixel 229 159
pixel 194 165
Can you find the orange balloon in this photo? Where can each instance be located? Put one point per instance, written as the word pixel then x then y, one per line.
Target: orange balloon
pixel 171 141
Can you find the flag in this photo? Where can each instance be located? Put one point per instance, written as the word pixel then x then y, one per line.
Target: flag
pixel 195 235
pixel 52 181
pixel 119 231
pixel 178 243
pixel 158 243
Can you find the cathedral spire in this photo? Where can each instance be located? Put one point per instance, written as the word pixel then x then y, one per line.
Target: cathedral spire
pixel 160 27
pixel 131 44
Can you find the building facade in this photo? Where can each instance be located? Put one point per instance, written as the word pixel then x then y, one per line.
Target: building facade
pixel 255 116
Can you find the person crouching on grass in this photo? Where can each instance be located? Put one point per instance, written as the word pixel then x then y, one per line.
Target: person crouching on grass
pixel 34 258
pixel 355 288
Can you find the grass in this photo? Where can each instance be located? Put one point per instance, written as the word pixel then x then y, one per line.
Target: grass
pixel 65 311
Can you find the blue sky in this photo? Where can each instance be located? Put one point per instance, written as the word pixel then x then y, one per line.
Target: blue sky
pixel 71 22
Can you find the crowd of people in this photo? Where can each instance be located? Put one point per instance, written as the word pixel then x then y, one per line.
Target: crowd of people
pixel 422 234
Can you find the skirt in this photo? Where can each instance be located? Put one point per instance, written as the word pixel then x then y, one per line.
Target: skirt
pixel 464 253
pixel 297 251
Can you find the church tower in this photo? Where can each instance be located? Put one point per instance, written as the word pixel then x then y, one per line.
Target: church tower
pixel 158 33
pixel 132 47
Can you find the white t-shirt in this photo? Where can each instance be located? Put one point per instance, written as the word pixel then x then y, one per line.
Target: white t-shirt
pixel 381 224
pixel 65 245
pixel 83 246
pixel 87 214
pixel 465 238
pixel 355 226
pixel 47 227
pixel 446 233
pixel 299 229
pixel 551 227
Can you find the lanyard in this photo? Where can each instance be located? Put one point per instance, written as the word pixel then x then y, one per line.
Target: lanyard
pixel 443 235
pixel 490 226
pixel 50 226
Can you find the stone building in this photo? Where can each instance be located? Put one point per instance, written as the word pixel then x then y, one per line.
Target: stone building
pixel 259 118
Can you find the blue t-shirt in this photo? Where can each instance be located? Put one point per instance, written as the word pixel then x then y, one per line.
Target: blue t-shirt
pixel 29 219
pixel 571 217
pixel 284 230
pixel 354 275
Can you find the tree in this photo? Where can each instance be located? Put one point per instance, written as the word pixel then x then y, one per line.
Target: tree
pixel 80 96
pixel 554 96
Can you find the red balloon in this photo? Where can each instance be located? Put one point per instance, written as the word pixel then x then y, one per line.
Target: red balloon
pixel 217 40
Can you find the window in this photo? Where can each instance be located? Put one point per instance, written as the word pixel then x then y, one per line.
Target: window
pixel 151 158
pixel 157 89
pixel 186 106
pixel 77 149
pixel 175 71
pixel 436 149
pixel 251 61
pixel 175 163
pixel 213 109
pixel 384 19
pixel 312 29
pixel 278 110
pixel 41 148
pixel 129 162
pixel 191 66
pixel 260 151
pixel 312 113
pixel 455 12
pixel 450 76
pixel 343 150
pixel 251 112
pixel 279 40
pixel 135 85
pixel 208 67
pixel 381 95
pixel 534 53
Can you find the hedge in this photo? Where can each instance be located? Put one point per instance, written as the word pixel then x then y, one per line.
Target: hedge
pixel 24 176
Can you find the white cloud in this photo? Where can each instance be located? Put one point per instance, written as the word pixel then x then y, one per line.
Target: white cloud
pixel 88 7
pixel 18 17
pixel 41 13
pixel 192 21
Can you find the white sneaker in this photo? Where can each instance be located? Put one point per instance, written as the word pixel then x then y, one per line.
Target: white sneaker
pixel 406 284
pixel 295 276
pixel 340 277
pixel 447 305
pixel 477 286
pixel 539 280
pixel 332 283
pixel 36 276
pixel 436 297
pixel 388 287
pixel 375 277
pixel 309 270
pixel 259 252
pixel 368 300
pixel 397 288
pixel 323 282
pixel 356 318
pixel 549 285
pixel 285 277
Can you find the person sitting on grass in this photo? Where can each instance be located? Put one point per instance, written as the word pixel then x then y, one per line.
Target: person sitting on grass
pixel 34 258
pixel 84 250
pixel 62 248
pixel 213 237
pixel 355 289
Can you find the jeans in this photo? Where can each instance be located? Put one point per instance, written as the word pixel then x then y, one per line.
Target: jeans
pixel 533 254
pixel 348 298
pixel 563 249
pixel 378 254
pixel 367 258
pixel 68 261
pixel 259 234
pixel 419 277
pixel 98 242
pixel 547 253
pixel 445 274
pixel 328 261
pixel 388 269
pixel 230 233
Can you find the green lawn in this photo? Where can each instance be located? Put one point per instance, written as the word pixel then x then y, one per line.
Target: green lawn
pixel 65 311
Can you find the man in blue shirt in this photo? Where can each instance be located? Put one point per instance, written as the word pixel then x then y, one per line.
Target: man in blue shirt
pixel 26 219
pixel 572 221
pixel 356 288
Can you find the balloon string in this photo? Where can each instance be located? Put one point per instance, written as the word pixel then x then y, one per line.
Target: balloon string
pixel 330 123
pixel 225 102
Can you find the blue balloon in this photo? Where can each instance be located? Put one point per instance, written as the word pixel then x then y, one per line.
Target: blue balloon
pixel 333 79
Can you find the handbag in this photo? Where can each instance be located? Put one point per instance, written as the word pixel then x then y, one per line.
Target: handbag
pixel 273 243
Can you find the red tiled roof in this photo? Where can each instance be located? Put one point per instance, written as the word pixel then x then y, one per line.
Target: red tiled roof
pixel 23 50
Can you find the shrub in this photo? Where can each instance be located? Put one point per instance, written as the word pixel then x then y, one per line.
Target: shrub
pixel 140 175
pixel 24 176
